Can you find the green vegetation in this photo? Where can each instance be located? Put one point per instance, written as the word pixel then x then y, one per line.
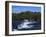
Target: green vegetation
pixel 35 16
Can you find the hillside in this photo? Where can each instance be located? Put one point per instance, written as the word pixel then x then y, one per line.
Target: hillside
pixel 34 16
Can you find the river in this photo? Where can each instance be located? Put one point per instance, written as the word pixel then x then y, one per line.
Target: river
pixel 25 25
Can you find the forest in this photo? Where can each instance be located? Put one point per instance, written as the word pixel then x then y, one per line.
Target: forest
pixel 34 16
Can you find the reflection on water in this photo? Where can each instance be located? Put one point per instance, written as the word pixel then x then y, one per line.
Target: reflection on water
pixel 25 25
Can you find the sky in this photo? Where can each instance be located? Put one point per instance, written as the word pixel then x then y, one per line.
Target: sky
pixel 18 9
